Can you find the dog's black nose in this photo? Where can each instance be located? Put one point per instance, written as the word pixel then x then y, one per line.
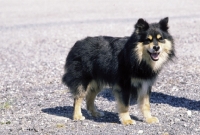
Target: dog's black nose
pixel 156 48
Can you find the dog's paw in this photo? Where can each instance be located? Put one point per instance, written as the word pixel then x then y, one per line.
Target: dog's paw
pixel 78 117
pixel 128 122
pixel 96 114
pixel 152 120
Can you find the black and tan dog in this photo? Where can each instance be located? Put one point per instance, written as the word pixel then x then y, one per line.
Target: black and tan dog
pixel 127 64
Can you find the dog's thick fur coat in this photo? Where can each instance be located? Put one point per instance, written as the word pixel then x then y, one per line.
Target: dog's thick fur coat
pixel 128 64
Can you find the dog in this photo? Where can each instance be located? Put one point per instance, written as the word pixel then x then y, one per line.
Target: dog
pixel 127 64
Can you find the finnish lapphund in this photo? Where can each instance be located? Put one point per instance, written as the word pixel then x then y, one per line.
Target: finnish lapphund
pixel 127 64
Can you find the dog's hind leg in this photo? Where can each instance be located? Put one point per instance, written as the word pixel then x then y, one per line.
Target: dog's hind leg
pixel 92 90
pixel 77 115
pixel 123 106
pixel 77 109
pixel 144 103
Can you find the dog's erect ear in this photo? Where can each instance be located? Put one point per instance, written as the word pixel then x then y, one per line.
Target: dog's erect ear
pixel 141 25
pixel 164 24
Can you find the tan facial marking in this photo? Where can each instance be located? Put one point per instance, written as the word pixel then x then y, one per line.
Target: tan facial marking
pixel 150 37
pixel 158 36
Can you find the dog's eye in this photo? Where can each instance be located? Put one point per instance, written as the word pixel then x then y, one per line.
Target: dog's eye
pixel 148 40
pixel 160 38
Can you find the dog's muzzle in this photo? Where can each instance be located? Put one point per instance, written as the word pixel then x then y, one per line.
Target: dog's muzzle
pixel 154 53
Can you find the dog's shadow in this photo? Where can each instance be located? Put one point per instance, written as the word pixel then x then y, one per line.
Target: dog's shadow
pixel 160 98
pixel 67 111
pixel 110 117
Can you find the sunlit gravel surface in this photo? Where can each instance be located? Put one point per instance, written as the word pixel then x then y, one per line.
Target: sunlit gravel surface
pixel 35 37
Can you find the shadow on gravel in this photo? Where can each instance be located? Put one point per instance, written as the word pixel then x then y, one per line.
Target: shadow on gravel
pixel 67 111
pixel 107 94
pixel 161 98
pixel 110 117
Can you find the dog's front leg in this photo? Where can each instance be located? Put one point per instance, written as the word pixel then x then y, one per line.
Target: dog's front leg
pixel 144 103
pixel 122 99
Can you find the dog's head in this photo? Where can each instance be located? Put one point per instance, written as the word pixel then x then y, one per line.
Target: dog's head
pixel 155 44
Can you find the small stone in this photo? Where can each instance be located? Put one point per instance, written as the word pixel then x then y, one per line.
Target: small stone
pixel 140 131
pixel 175 88
pixel 177 120
pixel 85 124
pixel 189 113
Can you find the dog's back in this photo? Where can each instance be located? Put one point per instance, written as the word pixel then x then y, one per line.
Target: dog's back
pixel 93 58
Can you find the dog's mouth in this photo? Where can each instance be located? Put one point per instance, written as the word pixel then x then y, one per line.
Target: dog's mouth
pixel 154 56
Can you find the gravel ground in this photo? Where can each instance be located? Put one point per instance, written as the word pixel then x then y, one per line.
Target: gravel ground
pixel 35 37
